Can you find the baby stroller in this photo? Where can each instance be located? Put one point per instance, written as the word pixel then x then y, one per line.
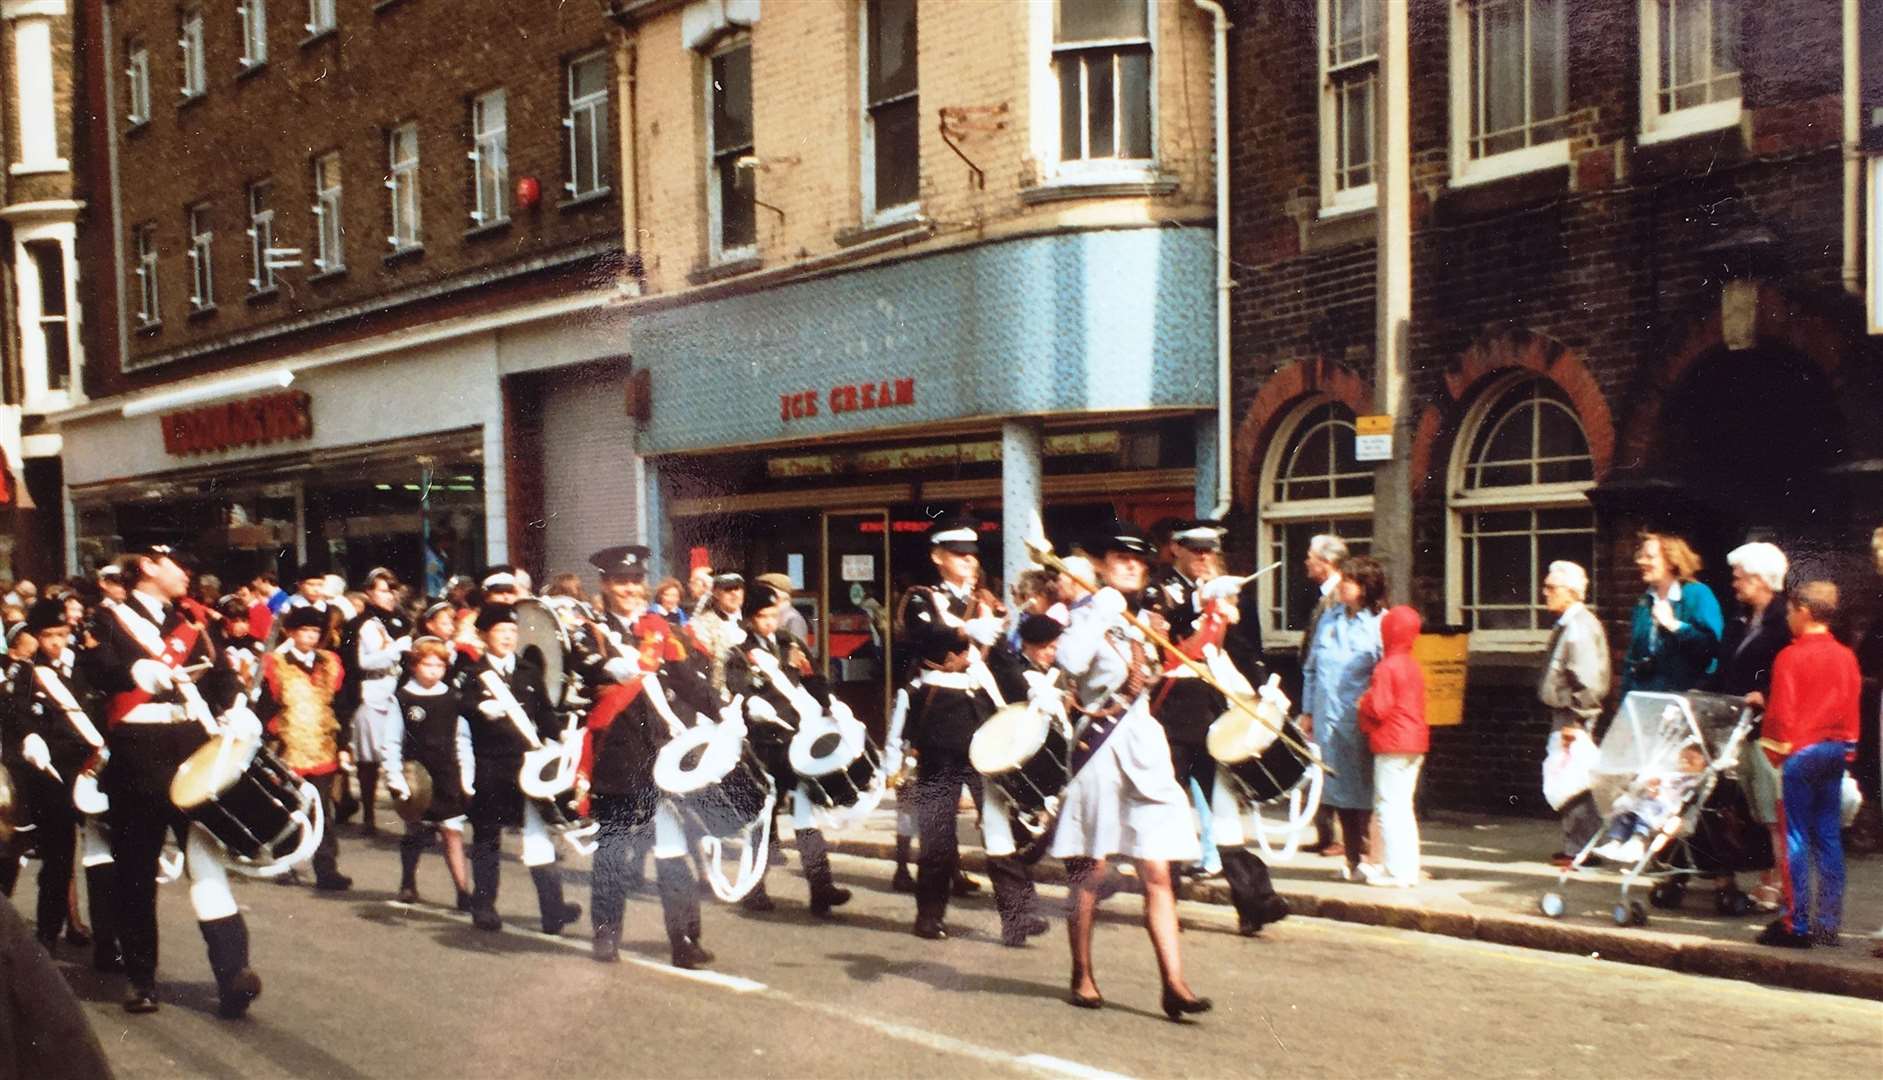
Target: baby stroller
pixel 1666 815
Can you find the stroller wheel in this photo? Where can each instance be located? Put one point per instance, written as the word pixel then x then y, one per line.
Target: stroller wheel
pixel 1668 894
pixel 1621 915
pixel 1551 904
pixel 1637 914
pixel 1731 902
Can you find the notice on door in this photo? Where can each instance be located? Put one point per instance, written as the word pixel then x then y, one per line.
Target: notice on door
pixel 859 568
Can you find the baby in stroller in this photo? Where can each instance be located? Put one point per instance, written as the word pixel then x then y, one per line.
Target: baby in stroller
pixel 1654 801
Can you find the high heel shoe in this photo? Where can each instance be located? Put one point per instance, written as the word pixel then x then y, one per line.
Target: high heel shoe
pixel 1096 1001
pixel 1176 1007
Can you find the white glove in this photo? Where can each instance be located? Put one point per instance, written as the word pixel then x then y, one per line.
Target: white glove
pixel 984 630
pixel 1270 692
pixel 619 669
pixel 153 676
pixel 1220 588
pixel 36 753
pixel 464 780
pixel 892 761
pixel 491 709
pixel 395 783
pixel 760 709
pixel 1109 603
pixel 240 722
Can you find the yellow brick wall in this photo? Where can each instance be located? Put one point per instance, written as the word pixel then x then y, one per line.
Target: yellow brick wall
pixel 972 54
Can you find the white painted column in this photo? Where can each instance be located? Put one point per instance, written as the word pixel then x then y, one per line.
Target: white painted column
pixel 496 491
pixel 651 521
pixel 1019 495
pixel 1392 483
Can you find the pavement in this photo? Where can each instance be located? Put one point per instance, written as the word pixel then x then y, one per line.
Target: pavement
pixel 1483 877
pixel 358 985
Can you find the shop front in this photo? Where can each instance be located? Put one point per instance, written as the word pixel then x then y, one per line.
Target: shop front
pixel 817 429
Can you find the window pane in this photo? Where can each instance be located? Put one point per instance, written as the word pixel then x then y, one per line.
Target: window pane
pixel 732 99
pixel 1294 593
pixel 1100 20
pixel 1503 72
pixel 898 152
pixel 49 261
pixel 1352 31
pixel 1504 570
pixel 892 48
pixel 1354 115
pixel 738 223
pixel 1071 108
pixel 1134 103
pixel 1548 64
pixel 1099 92
pixel 583 147
pixel 1726 40
pixel 588 77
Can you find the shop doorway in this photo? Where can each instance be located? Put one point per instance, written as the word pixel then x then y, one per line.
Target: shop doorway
pixel 854 605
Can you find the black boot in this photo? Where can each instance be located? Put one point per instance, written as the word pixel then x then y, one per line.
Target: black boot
pixel 903 881
pixel 814 853
pixel 369 794
pixel 411 849
pixel 680 911
pixel 1251 891
pixel 757 900
pixel 236 984
pixel 99 899
pixel 607 947
pixel 557 912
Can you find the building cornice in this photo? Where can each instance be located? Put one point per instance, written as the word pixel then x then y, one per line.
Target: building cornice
pixel 43 210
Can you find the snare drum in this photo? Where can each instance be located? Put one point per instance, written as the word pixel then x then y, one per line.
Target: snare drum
pixel 710 771
pixel 246 798
pixel 834 761
pixel 1026 752
pixel 1262 767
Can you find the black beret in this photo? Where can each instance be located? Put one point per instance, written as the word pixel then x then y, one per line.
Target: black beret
pixel 303 615
pixel 1040 629
pixel 45 612
pixel 496 615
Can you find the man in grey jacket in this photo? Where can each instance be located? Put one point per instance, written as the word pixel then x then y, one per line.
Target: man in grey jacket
pixel 1575 682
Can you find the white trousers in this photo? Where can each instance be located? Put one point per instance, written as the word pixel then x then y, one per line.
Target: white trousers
pixel 209 878
pixel 1395 777
pixel 539 844
pixel 670 834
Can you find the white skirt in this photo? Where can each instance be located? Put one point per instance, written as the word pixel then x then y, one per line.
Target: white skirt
pixel 373 721
pixel 1126 801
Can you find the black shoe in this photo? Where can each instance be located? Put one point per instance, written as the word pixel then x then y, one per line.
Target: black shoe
pixel 1097 1001
pixel 607 946
pixel 243 988
pixel 903 881
pixel 464 901
pixel 1177 1007
pixel 334 882
pixel 758 901
pixel 486 918
pixel 1272 910
pixel 822 900
pixel 1035 925
pixel 1015 933
pixel 143 999
pixel 1778 933
pixel 688 954
pixel 75 936
pixel 48 942
pixel 930 929
pixel 966 886
pixel 408 894
pixel 569 914
pixel 1826 939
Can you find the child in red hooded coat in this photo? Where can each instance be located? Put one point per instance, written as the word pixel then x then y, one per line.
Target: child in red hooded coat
pixel 1392 714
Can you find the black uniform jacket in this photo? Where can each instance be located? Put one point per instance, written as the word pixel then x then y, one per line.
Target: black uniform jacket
pixel 496 744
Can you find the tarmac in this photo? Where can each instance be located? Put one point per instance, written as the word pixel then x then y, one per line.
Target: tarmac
pixel 1483 877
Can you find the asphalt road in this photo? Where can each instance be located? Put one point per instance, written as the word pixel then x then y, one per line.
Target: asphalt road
pixel 359 986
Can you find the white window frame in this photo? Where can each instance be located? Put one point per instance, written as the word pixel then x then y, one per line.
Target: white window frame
pixel 37 124
pixel 1459 502
pixel 1334 198
pixel 716 249
pixel 1656 125
pixel 202 259
pixel 149 300
pixel 1465 169
pixel 1273 515
pixel 402 185
pixel 194 61
pixel 261 236
pixel 590 110
pixel 254 15
pixel 321 17
pixel 330 232
pixel 1873 246
pixel 490 145
pixel 1045 96
pixel 36 360
pixel 873 214
pixel 137 76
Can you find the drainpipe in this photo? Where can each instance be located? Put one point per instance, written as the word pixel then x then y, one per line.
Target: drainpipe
pixel 627 58
pixel 1853 152
pixel 1219 85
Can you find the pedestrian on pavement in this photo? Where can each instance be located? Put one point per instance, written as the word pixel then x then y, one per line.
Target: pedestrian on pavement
pixel 1674 636
pixel 669 602
pixel 1340 665
pixel 790 618
pixel 1575 682
pixel 1750 645
pixel 1322 564
pixel 1392 714
pixel 1811 727
pixel 699 589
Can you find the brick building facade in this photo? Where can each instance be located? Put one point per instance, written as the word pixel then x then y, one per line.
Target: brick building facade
pixel 1631 309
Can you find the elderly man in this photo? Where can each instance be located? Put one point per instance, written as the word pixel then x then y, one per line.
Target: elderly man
pixel 1575 682
pixel 1748 649
pixel 1326 553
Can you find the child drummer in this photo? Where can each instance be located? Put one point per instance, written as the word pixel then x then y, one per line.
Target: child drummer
pixel 294 701
pixel 432 735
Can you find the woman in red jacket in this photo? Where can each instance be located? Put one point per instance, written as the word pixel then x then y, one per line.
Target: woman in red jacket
pixel 1392 714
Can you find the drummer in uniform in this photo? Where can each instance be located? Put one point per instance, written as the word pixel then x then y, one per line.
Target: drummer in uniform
pixel 947 626
pixel 144 648
pixel 294 700
pixel 1022 673
pixel 773 672
pixel 505 704
pixel 433 735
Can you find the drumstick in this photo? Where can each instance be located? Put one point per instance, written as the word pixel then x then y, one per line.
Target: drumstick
pixel 1042 553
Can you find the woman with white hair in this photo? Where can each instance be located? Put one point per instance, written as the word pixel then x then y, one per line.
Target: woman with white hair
pixel 1575 682
pixel 1748 649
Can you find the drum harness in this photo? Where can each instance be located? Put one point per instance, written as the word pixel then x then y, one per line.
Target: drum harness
pixel 753 856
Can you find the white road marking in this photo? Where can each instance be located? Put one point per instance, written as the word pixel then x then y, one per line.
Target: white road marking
pixel 1062 1067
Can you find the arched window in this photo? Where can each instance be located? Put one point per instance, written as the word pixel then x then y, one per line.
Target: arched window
pixel 1311 484
pixel 1519 500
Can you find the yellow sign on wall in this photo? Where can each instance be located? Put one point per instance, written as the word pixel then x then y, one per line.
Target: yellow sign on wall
pixel 1443 658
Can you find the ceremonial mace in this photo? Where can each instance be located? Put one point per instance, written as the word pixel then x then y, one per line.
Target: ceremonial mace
pixel 1042 552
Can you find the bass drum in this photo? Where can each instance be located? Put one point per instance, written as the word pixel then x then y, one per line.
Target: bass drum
pixel 834 761
pixel 711 772
pixel 265 817
pixel 540 634
pixel 1026 752
pixel 12 807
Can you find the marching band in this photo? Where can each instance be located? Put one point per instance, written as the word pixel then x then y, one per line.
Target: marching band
pixel 1105 726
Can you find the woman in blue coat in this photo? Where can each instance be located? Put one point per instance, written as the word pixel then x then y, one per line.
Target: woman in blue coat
pixel 1674 639
pixel 1346 646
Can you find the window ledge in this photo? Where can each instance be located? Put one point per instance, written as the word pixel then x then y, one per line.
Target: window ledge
pixel 1513 163
pixel 704 275
pixel 320 35
pixel 247 71
pixel 188 100
pixel 1348 204
pixel 883 230
pixel 137 127
pixel 1338 227
pixel 587 198
pixel 149 329
pixel 1694 120
pixel 198 314
pixel 494 228
pixel 399 255
pixel 385 5
pixel 39 168
pixel 1067 187
pixel 263 296
pixel 327 275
